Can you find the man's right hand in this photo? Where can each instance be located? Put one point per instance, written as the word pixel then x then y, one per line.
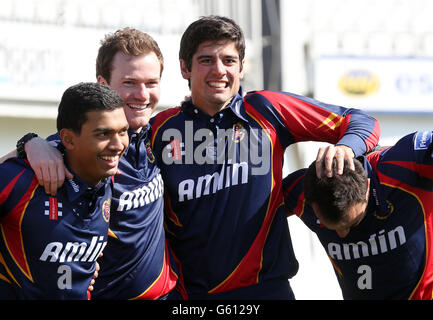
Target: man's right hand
pixel 47 163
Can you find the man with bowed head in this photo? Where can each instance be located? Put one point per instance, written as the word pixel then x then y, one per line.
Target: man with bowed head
pixel 376 221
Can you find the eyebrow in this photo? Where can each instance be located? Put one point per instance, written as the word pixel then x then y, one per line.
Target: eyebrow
pixel 211 56
pixel 130 78
pixel 96 130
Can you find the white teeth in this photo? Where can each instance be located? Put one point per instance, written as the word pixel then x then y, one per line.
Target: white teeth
pixel 137 106
pixel 108 158
pixel 217 84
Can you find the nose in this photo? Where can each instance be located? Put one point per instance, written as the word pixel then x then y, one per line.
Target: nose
pixel 342 233
pixel 118 142
pixel 142 93
pixel 219 67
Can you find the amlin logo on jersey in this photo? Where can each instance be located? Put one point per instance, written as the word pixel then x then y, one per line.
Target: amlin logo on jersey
pixel 73 251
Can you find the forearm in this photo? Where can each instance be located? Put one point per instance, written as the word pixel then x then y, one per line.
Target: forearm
pixel 20 149
pixel 9 155
pixel 311 120
pixel 45 160
pixel 362 133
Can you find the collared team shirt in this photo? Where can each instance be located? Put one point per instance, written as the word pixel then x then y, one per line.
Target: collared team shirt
pixel 49 245
pixel 225 212
pixel 137 262
pixel 389 254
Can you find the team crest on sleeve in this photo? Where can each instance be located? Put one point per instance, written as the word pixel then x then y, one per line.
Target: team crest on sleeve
pixel 238 132
pixel 422 140
pixel 149 152
pixel 106 210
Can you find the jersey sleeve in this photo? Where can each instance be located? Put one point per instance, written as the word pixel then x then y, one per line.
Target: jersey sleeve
pixel 413 153
pixel 294 200
pixel 311 120
pixel 293 193
pixel 422 145
pixel 16 179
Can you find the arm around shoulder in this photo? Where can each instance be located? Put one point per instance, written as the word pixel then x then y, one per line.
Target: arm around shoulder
pixel 48 164
pixel 9 155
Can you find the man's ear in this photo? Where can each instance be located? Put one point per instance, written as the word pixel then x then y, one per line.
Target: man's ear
pixel 68 138
pixel 242 69
pixel 102 80
pixel 186 74
pixel 368 189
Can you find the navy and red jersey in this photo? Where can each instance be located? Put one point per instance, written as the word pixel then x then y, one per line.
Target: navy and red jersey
pixel 137 262
pixel 224 206
pixel 49 245
pixel 389 254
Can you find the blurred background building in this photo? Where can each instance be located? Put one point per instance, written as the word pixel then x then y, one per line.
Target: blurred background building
pixel 372 55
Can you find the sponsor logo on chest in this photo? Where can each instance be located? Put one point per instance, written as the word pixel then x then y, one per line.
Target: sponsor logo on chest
pixel 73 251
pixel 377 243
pixel 142 196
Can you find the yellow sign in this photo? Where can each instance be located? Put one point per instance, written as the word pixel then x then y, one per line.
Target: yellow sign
pixel 358 83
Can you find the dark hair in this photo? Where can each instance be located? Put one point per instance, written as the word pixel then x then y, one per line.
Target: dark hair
pixel 211 28
pixel 335 195
pixel 129 41
pixel 82 98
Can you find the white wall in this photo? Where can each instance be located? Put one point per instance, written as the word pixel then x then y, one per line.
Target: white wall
pixel 11 129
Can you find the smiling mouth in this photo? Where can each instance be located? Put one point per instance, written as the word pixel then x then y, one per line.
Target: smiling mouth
pixel 110 159
pixel 138 106
pixel 218 85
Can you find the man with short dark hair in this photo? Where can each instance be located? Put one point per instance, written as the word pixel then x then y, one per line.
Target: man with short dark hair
pixel 221 158
pixel 376 222
pixel 340 200
pixel 49 244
